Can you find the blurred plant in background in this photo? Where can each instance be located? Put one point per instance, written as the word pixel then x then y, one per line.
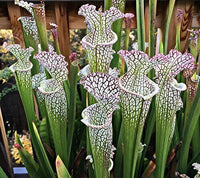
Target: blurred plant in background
pixel 76 36
pixel 26 142
pixel 6 59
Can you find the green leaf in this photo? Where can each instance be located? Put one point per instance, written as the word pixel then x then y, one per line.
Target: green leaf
pixel 41 154
pixel 40 19
pixel 44 131
pixel 152 16
pixel 23 78
pixel 40 97
pixel 72 107
pixel 166 28
pixel 140 24
pixel 17 140
pixel 117 28
pixel 61 169
pixel 30 35
pixel 31 166
pixel 188 131
pixel 2 173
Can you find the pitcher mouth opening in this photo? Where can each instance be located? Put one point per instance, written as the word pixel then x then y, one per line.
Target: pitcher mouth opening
pixel 30 19
pixel 145 97
pixel 13 68
pixel 37 6
pixel 86 120
pixel 54 90
pixel 115 38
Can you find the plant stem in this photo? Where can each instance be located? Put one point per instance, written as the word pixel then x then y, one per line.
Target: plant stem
pixel 107 4
pixel 149 170
pixel 195 141
pixel 40 19
pixel 117 28
pixel 27 100
pixel 118 166
pixel 188 132
pixel 149 130
pixel 140 24
pixel 26 95
pixel 41 154
pixel 162 145
pixel 127 32
pixel 89 101
pixel 72 110
pixel 89 152
pixel 30 41
pixel 137 155
pixel 66 87
pixel 54 32
pixel 117 119
pixel 176 137
pixel 57 47
pixel 132 131
pixel 180 77
pixel 178 40
pixel 152 17
pixel 58 130
pixel 166 29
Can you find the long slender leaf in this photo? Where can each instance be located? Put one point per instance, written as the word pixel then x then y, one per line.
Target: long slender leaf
pixel 2 173
pixel 23 79
pixel 41 154
pixel 188 132
pixel 118 166
pixel 31 166
pixel 61 169
pixel 40 19
pixel 152 16
pixel 44 131
pixel 117 28
pixel 55 99
pixel 140 24
pixel 31 40
pixel 72 111
pixel 107 4
pixel 166 29
pixel 150 123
